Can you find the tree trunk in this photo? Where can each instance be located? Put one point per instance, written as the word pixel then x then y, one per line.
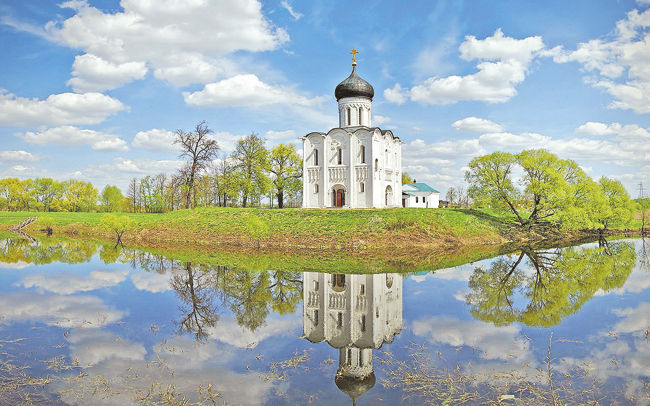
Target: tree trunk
pixel 280 199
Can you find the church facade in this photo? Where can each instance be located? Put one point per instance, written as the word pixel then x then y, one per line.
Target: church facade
pixel 353 165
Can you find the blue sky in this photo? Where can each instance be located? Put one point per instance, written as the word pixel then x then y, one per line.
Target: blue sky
pixel 93 90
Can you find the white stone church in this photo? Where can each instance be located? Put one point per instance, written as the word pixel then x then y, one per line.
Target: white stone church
pixel 353 165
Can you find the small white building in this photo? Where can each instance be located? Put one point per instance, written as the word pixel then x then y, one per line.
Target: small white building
pixel 419 195
pixel 354 314
pixel 353 165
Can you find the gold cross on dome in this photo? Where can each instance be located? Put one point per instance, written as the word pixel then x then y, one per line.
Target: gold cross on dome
pixel 354 54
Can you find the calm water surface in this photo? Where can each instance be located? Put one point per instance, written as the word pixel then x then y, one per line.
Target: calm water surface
pixel 86 324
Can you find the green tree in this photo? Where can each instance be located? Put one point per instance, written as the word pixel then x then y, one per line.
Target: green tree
pixel 199 150
pixel 643 211
pixel 561 282
pixel 44 191
pixel 621 208
pixel 256 229
pixel 251 164
pixel 286 167
pixel 80 196
pixel 406 178
pixel 117 224
pixel 112 199
pixel 550 187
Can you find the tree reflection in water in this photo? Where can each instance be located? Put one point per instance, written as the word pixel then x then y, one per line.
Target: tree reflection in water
pixel 556 284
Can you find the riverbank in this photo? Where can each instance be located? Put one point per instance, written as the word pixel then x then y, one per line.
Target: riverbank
pixel 390 230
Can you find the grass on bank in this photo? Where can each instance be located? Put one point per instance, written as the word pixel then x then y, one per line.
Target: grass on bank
pixel 334 225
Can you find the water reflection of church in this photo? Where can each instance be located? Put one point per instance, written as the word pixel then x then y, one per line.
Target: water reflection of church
pixel 356 314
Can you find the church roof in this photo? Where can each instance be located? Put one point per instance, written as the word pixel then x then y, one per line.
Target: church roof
pixel 421 187
pixel 354 86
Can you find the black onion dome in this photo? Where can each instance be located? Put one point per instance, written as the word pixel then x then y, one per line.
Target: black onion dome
pixel 353 387
pixel 354 86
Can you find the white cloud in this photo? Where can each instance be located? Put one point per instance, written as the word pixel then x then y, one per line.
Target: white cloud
pixel 627 51
pixel 121 46
pixel 514 141
pixel 379 120
pixel 18 156
pixel 477 125
pixel 280 135
pixel 396 95
pixel 505 63
pixel 156 140
pixel 66 283
pixel 94 74
pixel 246 90
pixel 593 128
pixel 143 166
pixel 296 16
pixel 57 109
pixel 69 136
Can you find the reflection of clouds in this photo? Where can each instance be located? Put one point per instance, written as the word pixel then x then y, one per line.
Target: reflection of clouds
pixel 151 282
pixel 66 283
pixel 16 265
pixel 493 341
pixel 179 363
pixel 56 310
pixel 91 347
pixel 624 358
pixel 229 332
pixel 634 319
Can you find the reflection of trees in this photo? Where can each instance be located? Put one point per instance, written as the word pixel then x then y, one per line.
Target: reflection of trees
pixel 561 281
pixel 197 291
pixel 13 250
pixel 250 295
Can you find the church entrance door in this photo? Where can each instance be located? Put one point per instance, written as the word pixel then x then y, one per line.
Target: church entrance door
pixel 340 198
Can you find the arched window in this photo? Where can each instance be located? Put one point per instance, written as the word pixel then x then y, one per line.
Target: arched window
pixel 376 164
pixel 361 187
pixel 316 188
pixel 315 157
pixel 363 154
pixel 360 112
pixel 339 155
pixel 349 116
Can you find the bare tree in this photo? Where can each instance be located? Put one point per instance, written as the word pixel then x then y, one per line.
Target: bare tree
pixel 199 150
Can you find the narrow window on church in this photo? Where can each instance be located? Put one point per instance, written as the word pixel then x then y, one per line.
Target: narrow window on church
pixel 416 199
pixel 339 320
pixel 316 317
pixel 361 187
pixel 315 157
pixel 360 112
pixel 349 116
pixel 363 154
pixel 376 164
pixel 363 323
pixel 315 286
pixel 362 290
pixel 339 154
pixel 316 188
pixel 377 311
pixel 424 199
pixel 360 358
pixel 386 155
pixel 350 356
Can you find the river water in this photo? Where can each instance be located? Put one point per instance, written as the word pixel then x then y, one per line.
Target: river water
pixel 88 324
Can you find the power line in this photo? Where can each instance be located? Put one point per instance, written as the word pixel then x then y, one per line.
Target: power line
pixel 641 191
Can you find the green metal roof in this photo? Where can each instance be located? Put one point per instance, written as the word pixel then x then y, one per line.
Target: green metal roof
pixel 422 187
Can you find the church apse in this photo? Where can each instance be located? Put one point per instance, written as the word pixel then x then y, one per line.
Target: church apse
pixel 354 314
